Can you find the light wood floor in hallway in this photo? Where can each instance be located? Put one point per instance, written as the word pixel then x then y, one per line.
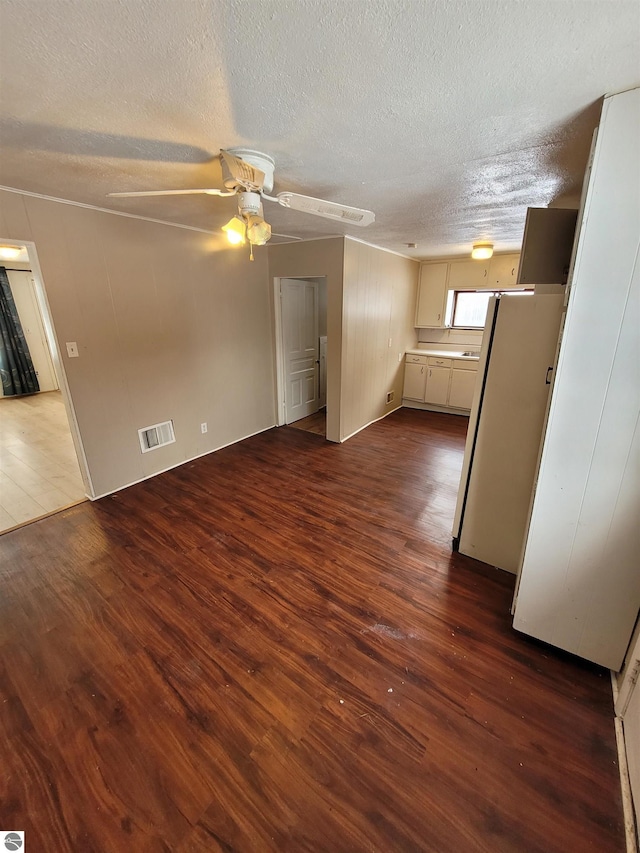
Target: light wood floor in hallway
pixel 39 471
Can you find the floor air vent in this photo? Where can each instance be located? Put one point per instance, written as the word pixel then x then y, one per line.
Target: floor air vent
pixel 156 436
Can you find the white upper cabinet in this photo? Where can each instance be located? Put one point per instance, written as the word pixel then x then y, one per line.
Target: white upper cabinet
pixel 436 279
pixel 432 294
pixel 503 272
pixel 468 275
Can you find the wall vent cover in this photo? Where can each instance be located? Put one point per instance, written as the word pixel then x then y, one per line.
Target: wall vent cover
pixel 156 436
pixel 390 396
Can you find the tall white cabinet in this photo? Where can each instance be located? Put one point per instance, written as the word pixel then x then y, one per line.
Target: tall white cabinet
pixel 579 582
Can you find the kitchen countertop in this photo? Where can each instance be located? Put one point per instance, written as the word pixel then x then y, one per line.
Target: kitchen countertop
pixel 441 353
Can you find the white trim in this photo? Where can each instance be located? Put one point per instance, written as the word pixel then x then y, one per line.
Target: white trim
pixel 374 421
pixel 103 210
pixel 625 785
pixel 381 249
pixel 58 364
pixel 183 462
pixel 627 802
pixel 279 355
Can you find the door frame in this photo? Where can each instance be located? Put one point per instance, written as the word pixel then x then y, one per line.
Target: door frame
pixel 280 371
pixel 58 366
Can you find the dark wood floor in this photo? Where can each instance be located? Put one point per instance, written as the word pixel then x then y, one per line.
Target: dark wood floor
pixel 273 649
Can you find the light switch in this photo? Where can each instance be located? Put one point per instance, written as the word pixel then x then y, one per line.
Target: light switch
pixel 72 349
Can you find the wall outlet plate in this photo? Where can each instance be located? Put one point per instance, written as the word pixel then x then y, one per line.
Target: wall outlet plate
pixel 203 428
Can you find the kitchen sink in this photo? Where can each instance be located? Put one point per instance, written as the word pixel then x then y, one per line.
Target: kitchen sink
pixel 472 352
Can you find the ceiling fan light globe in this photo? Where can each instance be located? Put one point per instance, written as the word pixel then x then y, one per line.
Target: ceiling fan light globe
pixel 236 231
pixel 258 231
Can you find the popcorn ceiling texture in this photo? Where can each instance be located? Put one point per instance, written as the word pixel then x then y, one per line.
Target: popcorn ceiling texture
pixel 447 118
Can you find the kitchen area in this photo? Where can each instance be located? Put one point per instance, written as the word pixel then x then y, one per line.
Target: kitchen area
pixel 549 482
pixel 441 372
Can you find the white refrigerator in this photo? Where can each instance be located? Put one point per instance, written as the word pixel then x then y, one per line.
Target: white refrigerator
pixel 505 427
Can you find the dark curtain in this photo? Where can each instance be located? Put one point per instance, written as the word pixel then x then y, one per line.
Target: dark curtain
pixel 16 367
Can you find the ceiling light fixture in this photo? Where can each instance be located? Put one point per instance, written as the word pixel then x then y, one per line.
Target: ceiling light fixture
pixel 10 253
pixel 249 224
pixel 236 231
pixel 482 251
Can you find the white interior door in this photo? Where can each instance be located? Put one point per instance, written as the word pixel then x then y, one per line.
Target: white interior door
pixel 299 301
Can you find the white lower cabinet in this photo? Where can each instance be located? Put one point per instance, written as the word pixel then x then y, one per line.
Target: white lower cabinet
pixel 448 383
pixel 463 383
pixel 415 376
pixel 437 390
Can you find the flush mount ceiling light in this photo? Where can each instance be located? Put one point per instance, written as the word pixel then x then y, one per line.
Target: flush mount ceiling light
pixel 482 251
pixel 10 253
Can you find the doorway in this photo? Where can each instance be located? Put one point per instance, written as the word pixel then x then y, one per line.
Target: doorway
pixel 40 452
pixel 301 346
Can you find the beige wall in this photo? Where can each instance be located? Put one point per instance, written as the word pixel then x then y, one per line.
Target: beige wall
pixel 380 291
pixel 313 258
pixel 169 325
pixel 371 298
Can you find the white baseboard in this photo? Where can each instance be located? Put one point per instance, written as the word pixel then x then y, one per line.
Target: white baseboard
pixel 374 421
pixel 625 786
pixel 178 464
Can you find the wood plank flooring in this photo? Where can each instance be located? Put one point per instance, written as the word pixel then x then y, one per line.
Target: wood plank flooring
pixel 272 648
pixel 316 423
pixel 39 471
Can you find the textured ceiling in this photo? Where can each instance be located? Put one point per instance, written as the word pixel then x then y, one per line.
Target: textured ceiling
pixel 448 119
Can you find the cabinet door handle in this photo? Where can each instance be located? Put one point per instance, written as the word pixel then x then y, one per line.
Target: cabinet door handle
pixel 429 374
pixel 485 273
pixel 422 370
pixel 547 381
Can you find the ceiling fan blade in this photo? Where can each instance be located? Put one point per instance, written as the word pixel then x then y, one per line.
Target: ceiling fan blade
pixel 239 173
pixel 328 209
pixel 170 192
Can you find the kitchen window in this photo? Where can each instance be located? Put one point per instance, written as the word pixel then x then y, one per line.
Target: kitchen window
pixel 467 309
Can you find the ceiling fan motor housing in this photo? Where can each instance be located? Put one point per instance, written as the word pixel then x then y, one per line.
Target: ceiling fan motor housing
pixel 261 161
pixel 250 204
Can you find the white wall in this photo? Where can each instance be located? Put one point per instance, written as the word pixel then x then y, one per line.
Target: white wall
pixel 169 324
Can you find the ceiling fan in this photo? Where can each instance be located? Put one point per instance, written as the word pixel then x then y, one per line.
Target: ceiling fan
pixel 249 175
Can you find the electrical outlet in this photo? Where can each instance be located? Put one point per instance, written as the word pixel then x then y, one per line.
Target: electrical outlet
pixel 203 428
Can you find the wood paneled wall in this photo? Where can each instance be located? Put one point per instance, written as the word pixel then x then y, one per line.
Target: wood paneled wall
pixel 371 299
pixel 169 325
pixel 310 259
pixel 379 304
